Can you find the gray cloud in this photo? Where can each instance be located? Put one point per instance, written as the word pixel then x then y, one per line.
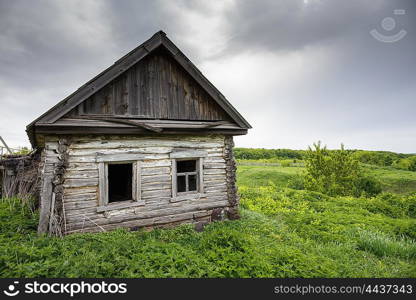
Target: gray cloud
pixel 316 70
pixel 292 25
pixel 363 85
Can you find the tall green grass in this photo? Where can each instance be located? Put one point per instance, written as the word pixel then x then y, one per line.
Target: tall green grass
pixel 282 233
pixel 384 245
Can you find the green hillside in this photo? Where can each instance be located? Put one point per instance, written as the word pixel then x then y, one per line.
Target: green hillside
pixel 284 232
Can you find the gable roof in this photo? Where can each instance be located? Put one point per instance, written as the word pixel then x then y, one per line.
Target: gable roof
pixel 123 64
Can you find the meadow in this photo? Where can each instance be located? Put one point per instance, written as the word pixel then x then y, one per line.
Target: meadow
pixel 284 231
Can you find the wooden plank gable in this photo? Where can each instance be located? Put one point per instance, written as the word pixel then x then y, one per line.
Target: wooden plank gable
pixel 156 87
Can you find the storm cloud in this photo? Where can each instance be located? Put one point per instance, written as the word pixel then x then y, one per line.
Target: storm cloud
pixel 299 71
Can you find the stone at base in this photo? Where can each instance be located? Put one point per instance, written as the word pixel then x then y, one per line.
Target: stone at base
pixel 199 227
pixel 217 214
pixel 233 213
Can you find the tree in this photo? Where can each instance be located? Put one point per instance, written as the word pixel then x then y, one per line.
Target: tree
pixel 336 172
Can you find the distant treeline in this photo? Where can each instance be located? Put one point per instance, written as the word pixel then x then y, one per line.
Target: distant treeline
pixel 257 153
pixel 378 158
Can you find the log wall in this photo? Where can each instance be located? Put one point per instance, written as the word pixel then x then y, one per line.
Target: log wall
pixel 81 181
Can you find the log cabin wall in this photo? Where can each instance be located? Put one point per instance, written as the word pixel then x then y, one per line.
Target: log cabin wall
pixel 81 191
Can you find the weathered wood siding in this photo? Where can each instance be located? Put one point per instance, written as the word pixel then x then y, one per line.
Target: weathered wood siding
pixel 155 88
pixel 81 192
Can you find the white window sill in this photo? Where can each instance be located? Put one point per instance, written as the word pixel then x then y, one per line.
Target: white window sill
pixel 120 205
pixel 190 196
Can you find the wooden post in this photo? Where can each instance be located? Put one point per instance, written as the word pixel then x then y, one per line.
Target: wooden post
pixel 201 175
pixel 45 205
pixel 174 184
pixel 5 145
pixel 103 183
pixel 51 216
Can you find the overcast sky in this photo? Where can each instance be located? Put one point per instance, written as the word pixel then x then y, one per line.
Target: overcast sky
pixel 298 71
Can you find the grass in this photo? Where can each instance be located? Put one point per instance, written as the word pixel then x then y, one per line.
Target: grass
pixel 394 180
pixel 383 245
pixel 262 174
pixel 282 233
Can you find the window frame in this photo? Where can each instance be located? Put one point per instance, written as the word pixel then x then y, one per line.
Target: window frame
pixel 188 155
pixel 186 174
pixel 103 199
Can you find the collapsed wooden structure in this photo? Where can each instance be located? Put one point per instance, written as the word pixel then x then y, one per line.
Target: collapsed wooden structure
pixel 19 176
pixel 146 143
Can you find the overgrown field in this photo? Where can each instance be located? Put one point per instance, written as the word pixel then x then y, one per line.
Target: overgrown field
pixel 283 232
pixel 254 173
pixel 379 158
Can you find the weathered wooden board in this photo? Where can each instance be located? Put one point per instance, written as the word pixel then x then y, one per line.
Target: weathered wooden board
pixel 155 213
pixel 45 205
pixel 118 157
pixel 79 191
pixel 136 150
pixel 118 144
pixel 155 171
pixel 70 183
pixel 157 87
pixel 80 197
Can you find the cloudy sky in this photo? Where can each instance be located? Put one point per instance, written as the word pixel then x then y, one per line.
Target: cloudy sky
pixel 299 71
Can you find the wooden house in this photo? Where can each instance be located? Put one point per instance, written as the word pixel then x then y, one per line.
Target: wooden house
pixel 146 143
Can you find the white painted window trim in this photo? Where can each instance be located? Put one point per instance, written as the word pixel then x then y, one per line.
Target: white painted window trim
pixel 188 155
pixel 103 204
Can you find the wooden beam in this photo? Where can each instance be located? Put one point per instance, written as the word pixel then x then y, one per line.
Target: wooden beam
pixel 120 205
pixel 139 182
pixel 120 157
pixel 191 153
pixel 164 124
pixel 121 121
pixel 201 175
pixel 102 184
pixel 109 130
pixel 174 180
pixel 214 124
pixel 5 145
pixel 52 212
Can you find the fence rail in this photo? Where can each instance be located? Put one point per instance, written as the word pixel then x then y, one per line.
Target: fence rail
pixel 5 151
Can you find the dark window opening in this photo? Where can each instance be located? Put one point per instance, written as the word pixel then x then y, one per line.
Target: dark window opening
pixel 183 166
pixel 181 183
pixel 186 175
pixel 120 179
pixel 192 182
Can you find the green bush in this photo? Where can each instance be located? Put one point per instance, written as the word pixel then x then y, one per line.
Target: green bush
pixel 393 205
pixel 367 186
pixel 412 165
pixel 337 172
pixel 408 163
pixel 296 183
pixel 379 158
